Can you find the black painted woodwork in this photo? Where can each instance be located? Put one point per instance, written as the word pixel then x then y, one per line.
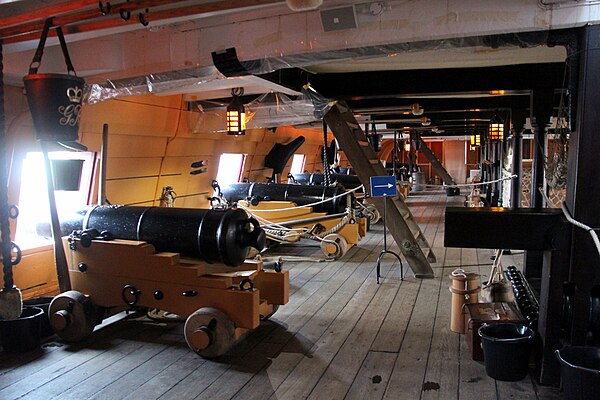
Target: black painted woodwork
pixel 431 81
pixel 501 228
pixel 583 182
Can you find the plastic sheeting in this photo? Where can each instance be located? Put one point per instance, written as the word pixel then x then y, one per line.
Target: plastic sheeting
pixel 170 81
pixel 276 109
pixel 268 111
pixel 152 83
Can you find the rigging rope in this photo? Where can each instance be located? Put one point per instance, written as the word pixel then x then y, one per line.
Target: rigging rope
pixel 5 242
pixel 573 221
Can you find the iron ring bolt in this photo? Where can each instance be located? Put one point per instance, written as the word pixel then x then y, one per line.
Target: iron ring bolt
pixel 131 291
pixel 13 211
pixel 18 256
pixel 246 284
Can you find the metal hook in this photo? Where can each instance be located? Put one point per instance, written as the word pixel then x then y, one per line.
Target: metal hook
pixel 104 9
pixel 125 14
pixel 142 18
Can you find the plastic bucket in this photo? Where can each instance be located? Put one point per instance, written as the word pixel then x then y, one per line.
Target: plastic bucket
pixel 43 303
pixel 55 102
pixel 579 371
pixel 66 174
pixel 22 334
pixel 506 350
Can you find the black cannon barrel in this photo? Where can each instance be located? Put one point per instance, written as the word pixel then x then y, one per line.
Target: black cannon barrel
pixel 348 181
pixel 221 236
pixel 299 194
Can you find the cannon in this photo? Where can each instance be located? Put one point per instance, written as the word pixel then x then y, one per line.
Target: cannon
pixel 222 236
pixel 299 194
pixel 348 181
pixel 332 222
pixel 187 262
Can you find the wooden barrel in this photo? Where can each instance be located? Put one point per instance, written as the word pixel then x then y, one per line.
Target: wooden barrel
pixel 465 289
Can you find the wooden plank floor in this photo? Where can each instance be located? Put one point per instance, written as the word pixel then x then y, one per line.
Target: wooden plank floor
pixel 341 336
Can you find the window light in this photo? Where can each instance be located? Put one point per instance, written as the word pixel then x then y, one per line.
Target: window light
pixel 297 164
pixel 230 169
pixel 33 196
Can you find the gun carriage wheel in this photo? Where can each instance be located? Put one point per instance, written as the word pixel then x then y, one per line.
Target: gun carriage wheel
pixel 209 332
pixel 72 316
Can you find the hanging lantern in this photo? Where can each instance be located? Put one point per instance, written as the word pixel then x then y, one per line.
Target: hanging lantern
pixel 236 115
pixel 496 129
pixel 407 146
pixel 475 142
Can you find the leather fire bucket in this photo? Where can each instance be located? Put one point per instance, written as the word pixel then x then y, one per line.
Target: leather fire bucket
pixel 54 99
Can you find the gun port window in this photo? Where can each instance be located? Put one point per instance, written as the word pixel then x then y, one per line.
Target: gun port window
pixel 298 164
pixel 230 169
pixel 34 211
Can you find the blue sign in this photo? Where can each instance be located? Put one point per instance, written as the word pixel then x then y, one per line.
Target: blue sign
pixel 383 186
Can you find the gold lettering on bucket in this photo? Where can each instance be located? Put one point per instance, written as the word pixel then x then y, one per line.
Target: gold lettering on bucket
pixel 70 113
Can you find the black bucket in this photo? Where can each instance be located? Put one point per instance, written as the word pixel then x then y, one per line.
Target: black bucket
pixel 66 174
pixel 579 371
pixel 506 350
pixel 22 334
pixel 55 103
pixel 43 303
pixel 452 191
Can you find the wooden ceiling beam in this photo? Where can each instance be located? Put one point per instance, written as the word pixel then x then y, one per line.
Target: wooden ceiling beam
pixel 31 31
pixel 45 12
pixel 34 25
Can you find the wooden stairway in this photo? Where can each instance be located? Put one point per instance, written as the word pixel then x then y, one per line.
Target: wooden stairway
pixel 435 163
pixel 364 160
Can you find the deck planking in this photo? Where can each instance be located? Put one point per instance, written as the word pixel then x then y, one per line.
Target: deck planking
pixel 341 336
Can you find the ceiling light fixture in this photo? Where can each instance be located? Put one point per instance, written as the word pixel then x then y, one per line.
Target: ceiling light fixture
pixel 303 5
pixel 416 109
pixel 236 115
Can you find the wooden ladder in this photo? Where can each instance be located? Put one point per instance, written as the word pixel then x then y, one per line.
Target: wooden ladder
pixel 435 163
pixel 364 160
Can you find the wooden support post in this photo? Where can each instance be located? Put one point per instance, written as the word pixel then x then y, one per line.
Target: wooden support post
pixel 583 185
pixel 542 112
pixel 518 120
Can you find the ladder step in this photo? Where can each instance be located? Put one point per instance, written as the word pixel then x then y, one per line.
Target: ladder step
pixel 430 256
pixel 352 140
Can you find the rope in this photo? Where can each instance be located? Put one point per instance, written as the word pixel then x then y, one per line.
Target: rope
pixel 578 224
pixel 4 208
pixel 474 184
pixel 326 177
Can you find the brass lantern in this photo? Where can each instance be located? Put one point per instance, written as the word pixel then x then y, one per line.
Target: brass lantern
pixel 236 115
pixel 475 141
pixel 496 129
